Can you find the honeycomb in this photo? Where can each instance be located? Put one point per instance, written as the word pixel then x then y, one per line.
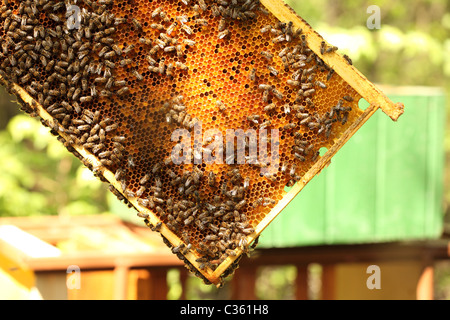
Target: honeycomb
pixel 242 93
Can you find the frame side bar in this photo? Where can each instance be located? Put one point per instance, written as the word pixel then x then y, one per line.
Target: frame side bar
pixel 350 74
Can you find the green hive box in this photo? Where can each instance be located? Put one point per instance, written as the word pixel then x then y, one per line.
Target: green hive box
pixel 385 184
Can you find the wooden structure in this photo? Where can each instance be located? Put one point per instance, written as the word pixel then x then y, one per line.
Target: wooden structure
pixel 106 273
pixel 385 184
pixel 406 268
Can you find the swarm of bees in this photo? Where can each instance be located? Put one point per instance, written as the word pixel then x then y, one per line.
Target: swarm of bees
pixel 118 84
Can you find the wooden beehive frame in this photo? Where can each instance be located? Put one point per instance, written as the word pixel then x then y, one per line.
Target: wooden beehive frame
pixel 349 74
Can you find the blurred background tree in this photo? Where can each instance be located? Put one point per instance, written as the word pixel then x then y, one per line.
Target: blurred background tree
pixel 39 176
pixel 412 48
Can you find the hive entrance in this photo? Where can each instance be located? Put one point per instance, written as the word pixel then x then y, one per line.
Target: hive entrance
pixel 124 83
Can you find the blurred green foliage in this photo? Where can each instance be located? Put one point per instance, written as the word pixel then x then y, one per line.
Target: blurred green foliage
pixel 39 176
pixel 412 47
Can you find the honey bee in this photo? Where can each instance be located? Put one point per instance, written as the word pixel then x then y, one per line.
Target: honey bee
pixel 145 41
pixel 158 226
pixel 54 17
pixel 25 78
pixel 109 83
pixel 125 62
pixel 316 155
pixel 76 107
pixel 299 156
pixel 221 106
pixel 143 202
pixel 254 118
pixel 267 55
pixel 157 26
pixel 181 66
pixel 142 215
pixel 140 191
pixel 211 237
pixel 309 92
pixel 344 118
pixel 338 106
pixel 137 25
pixel 202 5
pixel 309 71
pixel 128 49
pixel 105 93
pixel 223 34
pixel 169 70
pixel 178 248
pixel 160 211
pixel 189 220
pixel 164 16
pixel 150 60
pixel 31 91
pixel 107 40
pixel 170 49
pixel 153 69
pixel 171 28
pixel 156 12
pixel 252 74
pixel 106 162
pixel 179 50
pixel 309 102
pixel 265 87
pixel 330 74
pixel 277 94
pixel 138 76
pixel 222 24
pixel 104 154
pixel 241 204
pixel 321 84
pixel 272 70
pixel 270 107
pixel 284 52
pixel 188 30
pixel 348 98
pixel 130 162
pixel 349 61
pixel 161 66
pixel 270 177
pixel 122 91
pixel 323 47
pixel 178 108
pixel 331 49
pixel 290 126
pixel 85 99
pixel 279 39
pixel 189 42
pixel 111 127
